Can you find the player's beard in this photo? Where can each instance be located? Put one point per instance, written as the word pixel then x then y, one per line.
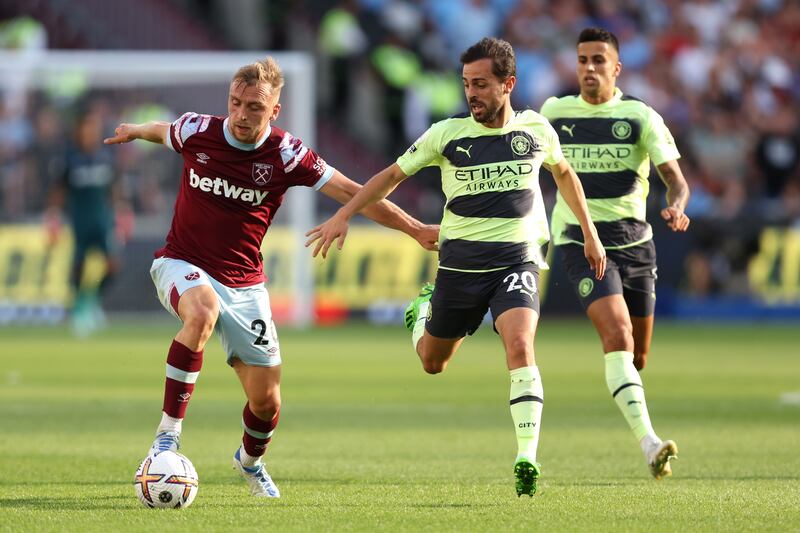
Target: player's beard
pixel 489 113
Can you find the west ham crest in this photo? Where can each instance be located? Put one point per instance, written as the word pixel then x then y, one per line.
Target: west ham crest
pixel 262 173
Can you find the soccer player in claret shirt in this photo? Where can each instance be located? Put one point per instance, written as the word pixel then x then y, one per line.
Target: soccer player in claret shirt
pixel 492 232
pixel 209 274
pixel 610 138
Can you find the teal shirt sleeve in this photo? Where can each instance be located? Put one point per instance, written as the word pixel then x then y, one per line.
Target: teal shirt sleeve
pixel 424 152
pixel 658 140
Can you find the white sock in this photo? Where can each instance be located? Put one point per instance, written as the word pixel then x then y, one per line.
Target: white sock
pixel 625 386
pixel 248 460
pixel 649 443
pixel 169 424
pixel 419 325
pixel 527 400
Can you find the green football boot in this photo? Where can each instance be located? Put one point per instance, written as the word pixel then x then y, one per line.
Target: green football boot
pixel 412 311
pixel 527 477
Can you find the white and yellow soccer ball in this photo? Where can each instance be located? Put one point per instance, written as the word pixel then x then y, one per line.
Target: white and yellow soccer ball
pixel 166 480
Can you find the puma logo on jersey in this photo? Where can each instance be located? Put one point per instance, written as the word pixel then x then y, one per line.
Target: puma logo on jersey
pixel 568 129
pixel 465 150
pixel 221 187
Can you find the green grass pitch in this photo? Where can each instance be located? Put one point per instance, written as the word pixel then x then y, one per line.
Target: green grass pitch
pixel 368 441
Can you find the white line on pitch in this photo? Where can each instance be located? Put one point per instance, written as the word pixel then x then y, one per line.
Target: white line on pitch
pixel 790 398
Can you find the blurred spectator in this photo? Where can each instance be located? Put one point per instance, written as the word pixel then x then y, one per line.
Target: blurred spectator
pixel 22 33
pixel 436 94
pixel 721 150
pixel 724 74
pixel 28 37
pixel 46 156
pixel 142 164
pixel 777 152
pixel 341 43
pixel 93 197
pixel 16 135
pixel 398 67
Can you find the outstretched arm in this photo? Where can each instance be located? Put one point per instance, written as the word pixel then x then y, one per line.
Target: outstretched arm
pixel 571 189
pixel 677 196
pixel 155 132
pixel 370 199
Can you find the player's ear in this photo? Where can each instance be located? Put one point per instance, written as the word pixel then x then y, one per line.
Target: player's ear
pixel 617 68
pixel 276 110
pixel 508 84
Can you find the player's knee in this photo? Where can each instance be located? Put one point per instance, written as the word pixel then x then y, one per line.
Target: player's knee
pixel 519 349
pixel 433 367
pixel 201 318
pixel 618 337
pixel 433 361
pixel 265 406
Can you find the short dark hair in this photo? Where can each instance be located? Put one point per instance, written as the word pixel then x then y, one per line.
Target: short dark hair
pixel 598 34
pixel 499 51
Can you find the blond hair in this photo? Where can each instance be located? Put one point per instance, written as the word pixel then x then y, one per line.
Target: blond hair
pixel 265 71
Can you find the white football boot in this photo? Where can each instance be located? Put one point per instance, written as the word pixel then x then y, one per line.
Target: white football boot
pixel 658 460
pixel 261 485
pixel 166 441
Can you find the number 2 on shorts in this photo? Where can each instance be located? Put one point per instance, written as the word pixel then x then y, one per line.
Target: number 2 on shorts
pixel 258 323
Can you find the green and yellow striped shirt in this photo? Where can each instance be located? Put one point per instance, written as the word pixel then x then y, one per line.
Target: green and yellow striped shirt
pixel 610 146
pixel 494 216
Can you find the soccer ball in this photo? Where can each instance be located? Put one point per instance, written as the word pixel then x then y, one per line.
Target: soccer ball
pixel 166 480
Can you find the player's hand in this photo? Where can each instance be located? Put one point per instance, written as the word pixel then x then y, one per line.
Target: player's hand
pixel 428 237
pixel 676 218
pixel 124 133
pixel 596 256
pixel 333 229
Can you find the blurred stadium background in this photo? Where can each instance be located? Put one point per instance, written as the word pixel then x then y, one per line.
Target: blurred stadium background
pixel 367 441
pixel 724 74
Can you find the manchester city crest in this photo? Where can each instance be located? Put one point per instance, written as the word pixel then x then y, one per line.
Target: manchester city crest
pixel 520 145
pixel 262 173
pixel 621 130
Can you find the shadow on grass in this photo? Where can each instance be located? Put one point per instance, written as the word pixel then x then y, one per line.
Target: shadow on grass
pixel 68 504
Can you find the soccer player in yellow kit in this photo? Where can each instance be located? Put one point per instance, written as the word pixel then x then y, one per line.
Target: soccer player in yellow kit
pixel 609 139
pixel 491 235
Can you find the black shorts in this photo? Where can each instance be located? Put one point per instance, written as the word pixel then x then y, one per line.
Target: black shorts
pixel 630 272
pixel 461 299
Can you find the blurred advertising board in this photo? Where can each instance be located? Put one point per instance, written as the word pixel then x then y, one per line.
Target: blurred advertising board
pixel 33 275
pixel 376 274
